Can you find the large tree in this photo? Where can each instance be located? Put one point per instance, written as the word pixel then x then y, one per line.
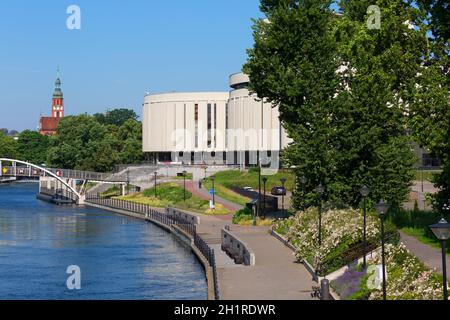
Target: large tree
pixel 8 147
pixel 293 65
pixel 33 147
pixel 342 89
pixel 116 117
pixel 84 143
pixel 430 112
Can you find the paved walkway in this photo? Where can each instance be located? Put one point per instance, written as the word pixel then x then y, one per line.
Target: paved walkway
pixel 430 256
pixel 276 275
pixel 204 194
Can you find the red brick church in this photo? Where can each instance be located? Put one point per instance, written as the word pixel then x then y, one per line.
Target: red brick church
pixel 48 125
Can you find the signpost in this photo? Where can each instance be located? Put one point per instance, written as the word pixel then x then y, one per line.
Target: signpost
pixel 212 204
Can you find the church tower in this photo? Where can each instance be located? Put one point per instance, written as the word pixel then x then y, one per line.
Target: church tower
pixel 58 100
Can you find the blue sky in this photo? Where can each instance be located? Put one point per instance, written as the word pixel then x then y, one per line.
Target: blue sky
pixel 123 50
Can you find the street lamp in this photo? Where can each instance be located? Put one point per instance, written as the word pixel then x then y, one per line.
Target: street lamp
pixel 283 182
pixel 365 191
pixel 213 178
pixel 259 189
pixel 320 190
pixel 382 208
pixel 184 183
pixel 156 175
pixel 264 199
pixel 442 231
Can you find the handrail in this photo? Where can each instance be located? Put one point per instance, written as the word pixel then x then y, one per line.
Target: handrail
pixel 167 220
pixel 44 170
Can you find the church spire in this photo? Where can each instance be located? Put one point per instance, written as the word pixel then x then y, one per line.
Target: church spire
pixel 58 99
pixel 57 93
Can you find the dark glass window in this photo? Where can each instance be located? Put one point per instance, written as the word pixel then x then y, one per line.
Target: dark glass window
pixel 209 125
pixel 196 125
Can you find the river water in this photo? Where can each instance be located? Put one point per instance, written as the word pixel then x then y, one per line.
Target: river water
pixel 118 257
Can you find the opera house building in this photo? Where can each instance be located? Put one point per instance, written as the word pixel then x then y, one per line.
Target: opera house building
pixel 232 128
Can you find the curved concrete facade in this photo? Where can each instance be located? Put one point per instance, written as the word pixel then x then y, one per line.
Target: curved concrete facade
pixel 227 123
pixel 256 123
pixel 190 122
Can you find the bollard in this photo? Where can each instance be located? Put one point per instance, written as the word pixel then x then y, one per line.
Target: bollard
pixel 325 289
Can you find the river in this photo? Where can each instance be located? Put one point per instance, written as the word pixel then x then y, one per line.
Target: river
pixel 118 257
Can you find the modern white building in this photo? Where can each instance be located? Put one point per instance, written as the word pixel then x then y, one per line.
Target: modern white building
pixel 212 127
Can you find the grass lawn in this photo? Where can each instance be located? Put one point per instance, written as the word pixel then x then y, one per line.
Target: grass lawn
pixel 234 178
pixel 416 224
pixel 172 195
pixel 427 174
pixel 420 234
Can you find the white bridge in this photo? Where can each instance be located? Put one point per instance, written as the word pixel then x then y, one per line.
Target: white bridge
pixel 61 184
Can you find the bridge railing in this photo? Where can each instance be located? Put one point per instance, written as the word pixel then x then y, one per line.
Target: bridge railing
pixel 166 219
pixel 24 171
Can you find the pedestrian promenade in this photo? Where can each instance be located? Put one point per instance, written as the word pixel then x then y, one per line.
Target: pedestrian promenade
pixel 276 275
pixel 429 255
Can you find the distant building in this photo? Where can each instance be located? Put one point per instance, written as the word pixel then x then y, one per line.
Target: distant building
pixel 233 127
pixel 48 125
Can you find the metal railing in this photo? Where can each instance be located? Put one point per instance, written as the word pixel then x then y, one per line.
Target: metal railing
pixel 352 254
pixel 24 171
pixel 167 220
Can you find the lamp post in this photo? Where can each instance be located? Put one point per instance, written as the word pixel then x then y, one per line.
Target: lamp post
pixel 259 189
pixel 213 178
pixel 421 171
pixel 320 190
pixel 442 231
pixel 283 182
pixel 365 191
pixel 156 175
pixel 264 199
pixel 184 184
pixel 128 180
pixel 382 208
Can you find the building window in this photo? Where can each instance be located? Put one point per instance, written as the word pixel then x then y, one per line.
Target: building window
pixel 184 123
pixel 196 125
pixel 226 125
pixel 215 125
pixel 209 125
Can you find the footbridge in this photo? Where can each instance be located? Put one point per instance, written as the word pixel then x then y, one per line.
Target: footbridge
pixel 59 185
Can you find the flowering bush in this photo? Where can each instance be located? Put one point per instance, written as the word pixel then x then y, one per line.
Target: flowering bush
pixel 349 284
pixel 408 277
pixel 341 230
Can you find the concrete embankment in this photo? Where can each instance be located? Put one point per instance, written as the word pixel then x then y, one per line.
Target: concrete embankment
pixel 179 234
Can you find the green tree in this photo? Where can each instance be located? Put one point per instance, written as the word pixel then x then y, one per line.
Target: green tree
pixel 8 147
pixel 73 145
pixel 33 147
pixel 342 90
pixel 116 117
pixel 81 142
pixel 431 108
pixel 293 64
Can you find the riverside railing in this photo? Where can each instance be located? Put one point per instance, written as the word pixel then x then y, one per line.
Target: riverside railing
pixel 167 220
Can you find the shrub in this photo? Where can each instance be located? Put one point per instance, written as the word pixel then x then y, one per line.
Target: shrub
pixel 242 215
pixel 171 192
pixel 342 232
pixel 408 277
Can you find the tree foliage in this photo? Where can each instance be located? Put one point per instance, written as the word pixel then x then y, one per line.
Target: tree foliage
pixel 8 147
pixel 84 143
pixel 33 147
pixel 430 112
pixel 342 90
pixel 115 117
